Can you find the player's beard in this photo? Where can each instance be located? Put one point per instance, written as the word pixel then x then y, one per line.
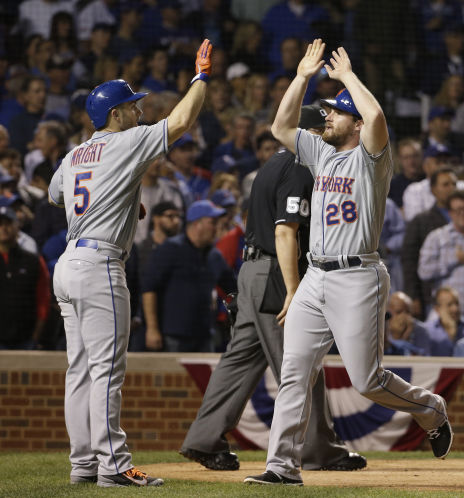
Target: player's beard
pixel 333 138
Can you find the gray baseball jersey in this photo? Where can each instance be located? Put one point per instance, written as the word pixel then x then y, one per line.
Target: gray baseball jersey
pixel 350 191
pixel 98 183
pixel 346 304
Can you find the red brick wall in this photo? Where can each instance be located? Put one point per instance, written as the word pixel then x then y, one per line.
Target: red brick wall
pixel 159 402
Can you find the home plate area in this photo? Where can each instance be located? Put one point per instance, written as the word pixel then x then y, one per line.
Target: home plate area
pixel 423 474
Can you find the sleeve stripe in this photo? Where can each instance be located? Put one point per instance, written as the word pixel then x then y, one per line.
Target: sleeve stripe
pixel 53 199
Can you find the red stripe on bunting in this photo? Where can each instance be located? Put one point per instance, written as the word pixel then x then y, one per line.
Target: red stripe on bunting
pixel 336 377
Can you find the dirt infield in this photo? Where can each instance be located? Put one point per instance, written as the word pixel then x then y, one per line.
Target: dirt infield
pixel 405 474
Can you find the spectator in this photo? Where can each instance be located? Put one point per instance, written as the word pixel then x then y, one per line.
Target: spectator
pixel 23 125
pixel 183 154
pixel 447 328
pixel 35 15
pixel 165 221
pixel 23 217
pixel 451 94
pixel 246 46
pixel 410 168
pixel 182 40
pixel 403 330
pixel 225 199
pixel 240 147
pixel 278 88
pixel 291 52
pixel 99 43
pixel 418 196
pixel 58 95
pixel 442 184
pixel 106 68
pixel 156 188
pixel 439 132
pixel 225 181
pixel 82 127
pixel 44 52
pixel 158 78
pixel 24 289
pixel 256 100
pixel 441 260
pixel 133 69
pixel 391 241
pixel 448 61
pixel 292 18
pixel 124 43
pixel 63 35
pixel 185 269
pixel 93 13
pixel 237 76
pixel 266 146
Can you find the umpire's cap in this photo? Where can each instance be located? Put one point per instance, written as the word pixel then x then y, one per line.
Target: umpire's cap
pixel 343 102
pixel 106 96
pixel 312 116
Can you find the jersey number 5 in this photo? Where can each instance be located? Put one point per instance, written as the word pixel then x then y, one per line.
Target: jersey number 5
pixel 348 213
pixel 80 190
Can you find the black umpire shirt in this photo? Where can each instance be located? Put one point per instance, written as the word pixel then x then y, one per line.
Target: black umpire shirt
pixel 281 193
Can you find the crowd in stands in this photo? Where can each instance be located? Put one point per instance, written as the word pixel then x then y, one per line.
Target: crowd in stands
pixel 187 250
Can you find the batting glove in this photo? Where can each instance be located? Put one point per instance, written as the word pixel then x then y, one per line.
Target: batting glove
pixel 203 62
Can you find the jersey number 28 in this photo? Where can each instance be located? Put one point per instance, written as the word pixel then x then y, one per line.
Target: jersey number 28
pixel 348 213
pixel 81 208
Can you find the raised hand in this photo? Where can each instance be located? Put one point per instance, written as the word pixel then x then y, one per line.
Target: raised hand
pixel 312 61
pixel 203 62
pixel 340 64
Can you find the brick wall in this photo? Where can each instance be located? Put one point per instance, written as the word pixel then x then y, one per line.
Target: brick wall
pixel 159 401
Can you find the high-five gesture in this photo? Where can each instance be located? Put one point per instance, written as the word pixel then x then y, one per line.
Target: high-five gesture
pixel 341 64
pixel 312 62
pixel 203 62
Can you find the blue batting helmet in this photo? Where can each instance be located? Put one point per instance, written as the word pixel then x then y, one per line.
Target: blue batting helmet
pixel 343 102
pixel 106 96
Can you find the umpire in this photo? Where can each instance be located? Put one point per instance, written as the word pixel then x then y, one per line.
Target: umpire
pixel 277 235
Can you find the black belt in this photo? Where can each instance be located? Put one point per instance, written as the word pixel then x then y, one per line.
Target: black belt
pixel 335 265
pixel 252 253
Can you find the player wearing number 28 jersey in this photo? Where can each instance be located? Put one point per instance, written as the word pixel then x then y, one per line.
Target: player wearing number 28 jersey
pixel 343 295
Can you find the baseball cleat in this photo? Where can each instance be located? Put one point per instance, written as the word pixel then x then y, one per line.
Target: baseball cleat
pixel 441 439
pixel 352 461
pixel 270 477
pixel 214 461
pixel 131 477
pixel 83 479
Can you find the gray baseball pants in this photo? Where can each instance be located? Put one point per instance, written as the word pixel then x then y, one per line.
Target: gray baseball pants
pixel 256 342
pixel 348 306
pixel 90 286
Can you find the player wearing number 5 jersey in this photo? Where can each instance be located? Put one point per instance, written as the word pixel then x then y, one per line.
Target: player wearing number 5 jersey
pixel 98 183
pixel 343 295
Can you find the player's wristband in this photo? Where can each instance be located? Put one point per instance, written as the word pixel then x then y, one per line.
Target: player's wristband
pixel 200 76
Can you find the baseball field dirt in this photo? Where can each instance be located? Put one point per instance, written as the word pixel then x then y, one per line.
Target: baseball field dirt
pixel 411 474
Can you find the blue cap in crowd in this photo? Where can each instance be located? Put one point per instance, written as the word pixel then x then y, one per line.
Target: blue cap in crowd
pixel 9 201
pixel 343 102
pixel 185 139
pixel 437 150
pixel 440 112
pixel 203 209
pixel 7 212
pixel 6 178
pixel 223 198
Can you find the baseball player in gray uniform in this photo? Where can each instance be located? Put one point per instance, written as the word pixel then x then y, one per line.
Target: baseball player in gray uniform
pixel 343 295
pixel 98 183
